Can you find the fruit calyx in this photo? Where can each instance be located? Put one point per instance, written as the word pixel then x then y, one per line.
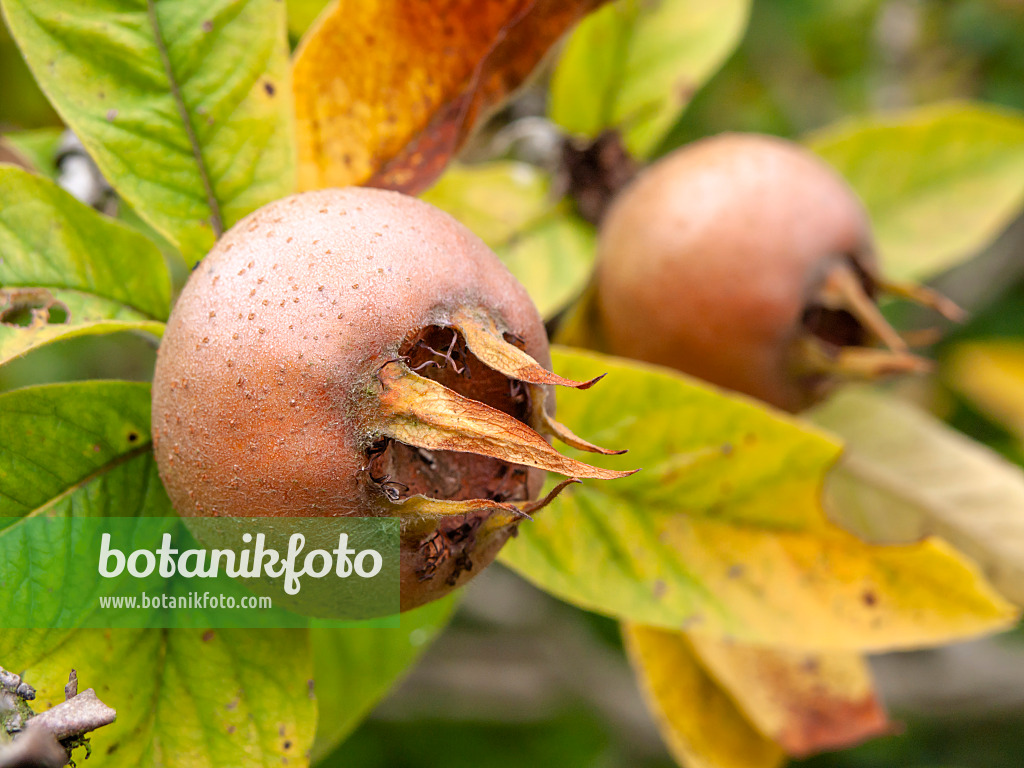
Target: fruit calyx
pixel 453 466
pixel 459 416
pixel 841 323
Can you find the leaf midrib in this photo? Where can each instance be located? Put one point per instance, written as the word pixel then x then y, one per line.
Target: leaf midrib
pixel 216 218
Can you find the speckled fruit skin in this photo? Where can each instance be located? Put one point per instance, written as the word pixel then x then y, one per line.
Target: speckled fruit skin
pixel 706 261
pixel 263 392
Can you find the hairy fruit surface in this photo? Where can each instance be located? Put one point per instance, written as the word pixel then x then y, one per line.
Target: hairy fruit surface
pixel 358 352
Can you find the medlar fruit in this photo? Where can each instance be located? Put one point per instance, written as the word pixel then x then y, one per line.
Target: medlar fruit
pixel 746 261
pixel 359 352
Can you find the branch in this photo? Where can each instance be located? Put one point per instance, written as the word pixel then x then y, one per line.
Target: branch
pixel 60 727
pixel 76 716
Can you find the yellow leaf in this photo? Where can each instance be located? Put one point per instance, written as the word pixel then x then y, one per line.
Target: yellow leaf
pixel 699 721
pixel 991 374
pixel 831 590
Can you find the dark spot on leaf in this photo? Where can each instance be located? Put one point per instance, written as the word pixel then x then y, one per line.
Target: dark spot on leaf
pixel 870 598
pixel 287 745
pixel 231 729
pixel 311 686
pixel 659 589
pixel 208 634
pixel 207 26
pixel 269 88
pixel 133 437
pixel 735 571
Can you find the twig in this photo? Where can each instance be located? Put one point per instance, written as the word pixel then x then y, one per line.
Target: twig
pixel 14 684
pixel 62 727
pixel 35 747
pixel 76 716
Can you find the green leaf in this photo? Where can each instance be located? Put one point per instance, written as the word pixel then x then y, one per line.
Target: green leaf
pixel 60 439
pixel 723 532
pixel 39 147
pixel 635 65
pixel 77 449
pixel 80 272
pixel 906 475
pixel 188 698
pixel 354 668
pixel 939 182
pixel 185 106
pixel 510 207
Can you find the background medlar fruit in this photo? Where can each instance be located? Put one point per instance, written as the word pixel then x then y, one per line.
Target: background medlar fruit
pixel 359 352
pixel 746 261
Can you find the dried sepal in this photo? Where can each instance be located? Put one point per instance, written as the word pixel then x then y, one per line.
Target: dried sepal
pixel 546 424
pixel 854 363
pixel 926 297
pixel 486 341
pixel 422 413
pixel 423 512
pixel 843 289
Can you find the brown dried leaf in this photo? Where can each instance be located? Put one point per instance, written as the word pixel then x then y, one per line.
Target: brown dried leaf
pixel 387 92
pixel 805 702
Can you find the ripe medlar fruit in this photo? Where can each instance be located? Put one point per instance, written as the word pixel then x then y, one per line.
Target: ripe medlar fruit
pixel 746 261
pixel 359 352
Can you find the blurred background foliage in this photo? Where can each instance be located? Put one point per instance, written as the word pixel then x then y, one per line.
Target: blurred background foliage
pixel 524 679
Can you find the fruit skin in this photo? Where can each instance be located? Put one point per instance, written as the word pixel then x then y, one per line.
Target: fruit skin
pixel 264 391
pixel 707 261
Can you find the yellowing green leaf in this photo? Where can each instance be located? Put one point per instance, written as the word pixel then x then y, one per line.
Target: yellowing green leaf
pixel 186 107
pixel 184 698
pixel 635 65
pixel 194 699
pixel 302 14
pixel 68 271
pixel 805 702
pixel 723 532
pixel 906 476
pixel 510 207
pixel 699 722
pixel 991 375
pixel 939 182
